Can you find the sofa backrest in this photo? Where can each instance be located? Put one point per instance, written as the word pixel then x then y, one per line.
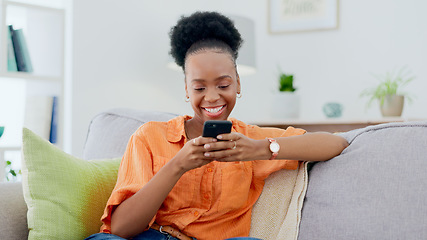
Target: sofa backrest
pixel 376 189
pixel 109 131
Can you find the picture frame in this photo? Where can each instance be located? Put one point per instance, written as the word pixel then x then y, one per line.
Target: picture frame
pixel 290 16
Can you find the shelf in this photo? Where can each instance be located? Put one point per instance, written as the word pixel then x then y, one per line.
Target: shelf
pixel 331 121
pixel 43 28
pixel 329 125
pixel 43 4
pixel 29 76
pixel 43 25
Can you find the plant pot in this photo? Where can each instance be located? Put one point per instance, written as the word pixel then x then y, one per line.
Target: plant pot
pixel 285 105
pixel 392 106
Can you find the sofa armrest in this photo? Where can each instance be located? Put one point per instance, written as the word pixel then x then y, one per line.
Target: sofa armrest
pixel 375 189
pixel 13 212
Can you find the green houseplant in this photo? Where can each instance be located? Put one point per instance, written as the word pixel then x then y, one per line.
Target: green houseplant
pixel 11 174
pixel 388 92
pixel 286 83
pixel 286 101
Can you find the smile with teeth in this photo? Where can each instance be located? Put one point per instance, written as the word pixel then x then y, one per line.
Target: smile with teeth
pixel 214 110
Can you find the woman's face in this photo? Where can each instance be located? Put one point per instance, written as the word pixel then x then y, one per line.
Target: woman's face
pixel 211 83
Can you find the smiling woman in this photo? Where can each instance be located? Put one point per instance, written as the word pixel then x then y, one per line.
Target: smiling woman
pixel 175 183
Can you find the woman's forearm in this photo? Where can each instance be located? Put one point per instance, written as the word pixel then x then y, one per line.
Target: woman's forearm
pixel 317 146
pixel 133 215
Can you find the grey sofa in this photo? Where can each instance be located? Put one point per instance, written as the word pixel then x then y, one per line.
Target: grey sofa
pixel 376 189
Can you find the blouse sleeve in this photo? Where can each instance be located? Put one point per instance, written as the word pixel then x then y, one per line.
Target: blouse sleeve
pixel 136 169
pixel 262 168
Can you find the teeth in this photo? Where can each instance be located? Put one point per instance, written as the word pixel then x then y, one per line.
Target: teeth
pixel 213 110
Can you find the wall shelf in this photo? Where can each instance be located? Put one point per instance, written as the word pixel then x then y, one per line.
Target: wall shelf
pixel 43 23
pixel 43 26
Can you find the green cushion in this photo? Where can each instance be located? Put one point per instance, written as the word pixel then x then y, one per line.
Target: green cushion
pixel 65 195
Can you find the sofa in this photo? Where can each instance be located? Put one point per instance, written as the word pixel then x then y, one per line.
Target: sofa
pixel 375 189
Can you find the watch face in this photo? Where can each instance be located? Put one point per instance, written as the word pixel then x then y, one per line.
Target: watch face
pixel 274 147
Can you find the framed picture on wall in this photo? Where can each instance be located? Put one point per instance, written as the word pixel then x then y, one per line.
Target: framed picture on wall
pixel 287 16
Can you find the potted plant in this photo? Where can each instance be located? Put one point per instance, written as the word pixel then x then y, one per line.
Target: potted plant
pixel 286 98
pixel 388 92
pixel 286 83
pixel 12 175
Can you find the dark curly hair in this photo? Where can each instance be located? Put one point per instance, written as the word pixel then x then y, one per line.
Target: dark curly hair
pixel 203 30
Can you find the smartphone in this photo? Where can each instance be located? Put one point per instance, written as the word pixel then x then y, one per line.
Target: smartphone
pixel 213 128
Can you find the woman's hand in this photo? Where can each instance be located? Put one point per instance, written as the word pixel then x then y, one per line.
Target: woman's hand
pixel 236 147
pixel 192 155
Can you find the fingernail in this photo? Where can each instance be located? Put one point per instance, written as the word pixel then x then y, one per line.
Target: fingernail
pixel 207 154
pixel 219 137
pixel 207 146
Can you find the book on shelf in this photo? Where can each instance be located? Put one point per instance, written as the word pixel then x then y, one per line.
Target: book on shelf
pixel 22 56
pixel 41 116
pixel 11 60
pixel 54 121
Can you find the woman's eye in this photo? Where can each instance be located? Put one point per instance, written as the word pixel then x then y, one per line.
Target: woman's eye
pixel 199 89
pixel 224 86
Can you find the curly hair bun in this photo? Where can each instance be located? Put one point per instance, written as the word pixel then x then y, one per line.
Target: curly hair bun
pixel 203 26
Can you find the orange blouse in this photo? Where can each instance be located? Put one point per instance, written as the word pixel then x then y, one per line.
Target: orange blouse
pixel 216 197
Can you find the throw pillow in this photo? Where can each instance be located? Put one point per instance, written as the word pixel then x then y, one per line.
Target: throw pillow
pixel 65 195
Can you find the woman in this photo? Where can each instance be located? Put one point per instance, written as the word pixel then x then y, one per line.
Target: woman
pixel 173 180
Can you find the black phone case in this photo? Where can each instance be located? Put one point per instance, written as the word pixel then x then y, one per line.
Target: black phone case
pixel 213 128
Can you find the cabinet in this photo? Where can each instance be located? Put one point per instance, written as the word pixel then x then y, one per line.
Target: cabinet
pixel 43 23
pixel 330 125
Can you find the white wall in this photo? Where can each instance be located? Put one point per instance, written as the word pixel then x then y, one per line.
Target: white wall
pixel 121 49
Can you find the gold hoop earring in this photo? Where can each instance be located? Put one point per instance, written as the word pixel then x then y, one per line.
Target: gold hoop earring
pixel 187 99
pixel 239 95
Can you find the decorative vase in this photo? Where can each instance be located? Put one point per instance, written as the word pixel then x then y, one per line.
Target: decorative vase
pixel 1 130
pixel 286 105
pixel 332 110
pixel 392 106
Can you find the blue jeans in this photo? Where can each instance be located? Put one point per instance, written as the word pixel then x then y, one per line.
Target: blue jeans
pixel 149 234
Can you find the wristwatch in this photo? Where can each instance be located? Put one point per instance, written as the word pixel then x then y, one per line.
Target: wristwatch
pixel 274 148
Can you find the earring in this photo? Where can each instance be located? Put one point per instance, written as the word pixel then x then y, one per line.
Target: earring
pixel 187 99
pixel 239 95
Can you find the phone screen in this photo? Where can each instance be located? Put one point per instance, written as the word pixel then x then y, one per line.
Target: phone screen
pixel 213 128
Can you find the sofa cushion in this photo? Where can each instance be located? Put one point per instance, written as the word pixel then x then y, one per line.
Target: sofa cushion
pixel 65 195
pixel 376 189
pixel 13 212
pixel 109 131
